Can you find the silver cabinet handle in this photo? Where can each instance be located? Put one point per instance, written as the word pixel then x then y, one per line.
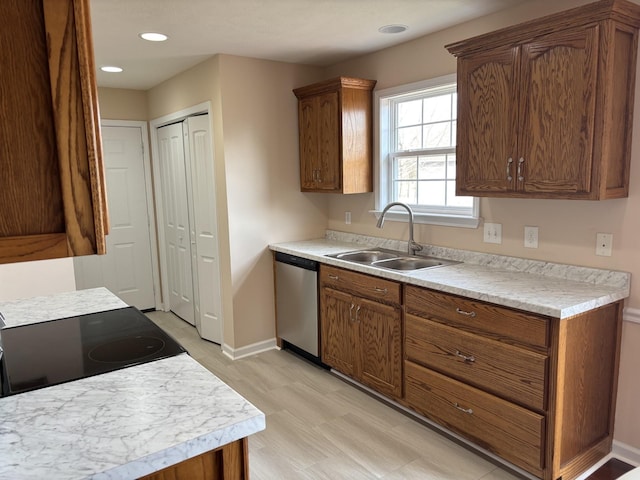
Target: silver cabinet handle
pixel 468 314
pixel 334 277
pixel 466 358
pixel 509 162
pixel 465 410
pixel 520 162
pixel 351 312
pixel 357 312
pixel 381 290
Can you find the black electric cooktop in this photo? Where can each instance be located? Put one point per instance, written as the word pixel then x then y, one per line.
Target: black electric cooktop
pixel 48 353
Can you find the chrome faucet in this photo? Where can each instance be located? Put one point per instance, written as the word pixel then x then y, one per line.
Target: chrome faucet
pixel 412 246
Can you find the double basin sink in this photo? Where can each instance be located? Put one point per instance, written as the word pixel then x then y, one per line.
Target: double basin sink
pixel 391 259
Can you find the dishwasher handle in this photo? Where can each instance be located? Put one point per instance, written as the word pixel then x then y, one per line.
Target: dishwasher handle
pixel 297 261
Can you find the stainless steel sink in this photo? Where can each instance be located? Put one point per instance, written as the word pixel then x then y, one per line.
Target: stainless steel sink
pixel 410 263
pixel 366 256
pixel 391 259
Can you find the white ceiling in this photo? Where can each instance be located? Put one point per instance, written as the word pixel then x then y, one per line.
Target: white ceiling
pixel 312 32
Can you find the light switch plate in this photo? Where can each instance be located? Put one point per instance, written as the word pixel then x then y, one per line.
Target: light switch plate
pixel 493 233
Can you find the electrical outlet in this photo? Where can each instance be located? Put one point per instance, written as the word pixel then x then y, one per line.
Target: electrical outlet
pixel 347 218
pixel 604 244
pixel 531 237
pixel 493 233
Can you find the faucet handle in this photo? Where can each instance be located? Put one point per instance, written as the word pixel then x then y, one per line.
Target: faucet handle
pixel 415 246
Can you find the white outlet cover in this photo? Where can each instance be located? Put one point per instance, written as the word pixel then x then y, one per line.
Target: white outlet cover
pixel 604 244
pixel 531 237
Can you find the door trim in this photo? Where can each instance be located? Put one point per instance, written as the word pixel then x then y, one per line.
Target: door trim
pixel 155 124
pixel 146 160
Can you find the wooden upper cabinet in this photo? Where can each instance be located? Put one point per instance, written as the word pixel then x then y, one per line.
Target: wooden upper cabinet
pixel 335 127
pixel 52 203
pixel 545 108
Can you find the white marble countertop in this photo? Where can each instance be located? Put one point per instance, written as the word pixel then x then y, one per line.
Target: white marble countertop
pixel 119 425
pixel 544 288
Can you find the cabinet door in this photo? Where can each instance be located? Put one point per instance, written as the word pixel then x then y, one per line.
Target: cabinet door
pixel 339 331
pixel 309 138
pixel 52 198
pixel 559 74
pixel 380 329
pixel 329 142
pixel 487 119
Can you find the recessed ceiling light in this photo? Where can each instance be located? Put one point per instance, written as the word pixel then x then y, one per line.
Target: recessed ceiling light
pixel 111 69
pixel 395 28
pixel 153 36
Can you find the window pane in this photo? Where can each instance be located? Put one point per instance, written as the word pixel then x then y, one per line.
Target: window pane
pixel 451 166
pixel 418 161
pixel 437 135
pixel 406 192
pixel 410 113
pixel 409 138
pixel 437 108
pixel 432 167
pixel 454 105
pixel 431 193
pixel 453 200
pixel 406 168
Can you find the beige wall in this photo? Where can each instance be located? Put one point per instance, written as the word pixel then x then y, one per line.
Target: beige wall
pixel 567 229
pixel 33 279
pixel 122 104
pixel 265 204
pixel 259 202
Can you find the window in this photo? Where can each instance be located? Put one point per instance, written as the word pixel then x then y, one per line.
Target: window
pixel 417 153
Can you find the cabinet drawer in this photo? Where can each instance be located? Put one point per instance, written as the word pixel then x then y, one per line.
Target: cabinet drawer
pixel 360 284
pixel 506 370
pixel 512 432
pixel 500 323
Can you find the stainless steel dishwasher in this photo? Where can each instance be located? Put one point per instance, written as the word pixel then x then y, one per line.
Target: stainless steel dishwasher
pixel 297 305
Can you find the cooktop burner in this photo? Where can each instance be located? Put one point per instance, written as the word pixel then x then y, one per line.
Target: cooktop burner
pixel 58 351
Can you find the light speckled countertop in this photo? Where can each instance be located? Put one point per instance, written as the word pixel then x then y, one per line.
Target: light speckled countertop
pixel 545 288
pixel 119 425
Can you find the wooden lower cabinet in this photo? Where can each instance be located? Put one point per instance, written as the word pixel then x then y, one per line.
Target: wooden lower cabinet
pixel 362 337
pixel 229 462
pixel 510 431
pixel 537 391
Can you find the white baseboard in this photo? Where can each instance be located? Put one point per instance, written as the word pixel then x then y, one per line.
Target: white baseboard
pixel 631 315
pixel 626 453
pixel 248 350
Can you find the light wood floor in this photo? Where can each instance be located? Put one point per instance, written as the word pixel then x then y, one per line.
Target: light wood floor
pixel 319 427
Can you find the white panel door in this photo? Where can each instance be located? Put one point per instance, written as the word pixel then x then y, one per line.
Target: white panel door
pixel 207 265
pixel 126 269
pixel 176 221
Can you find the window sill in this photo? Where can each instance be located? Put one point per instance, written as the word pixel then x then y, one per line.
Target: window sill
pixel 430 219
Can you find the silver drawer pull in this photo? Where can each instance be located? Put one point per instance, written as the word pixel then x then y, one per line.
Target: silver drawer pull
pixel 381 290
pixel 466 358
pixel 334 277
pixel 357 311
pixel 509 162
pixel 351 312
pixel 468 314
pixel 465 410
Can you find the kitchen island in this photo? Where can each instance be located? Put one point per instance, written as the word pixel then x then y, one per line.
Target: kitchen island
pixel 124 424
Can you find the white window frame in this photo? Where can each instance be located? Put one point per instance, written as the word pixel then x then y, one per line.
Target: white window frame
pixel 382 168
